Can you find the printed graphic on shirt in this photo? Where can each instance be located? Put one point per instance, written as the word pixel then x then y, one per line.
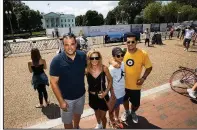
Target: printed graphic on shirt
pixel 122 75
pixel 130 62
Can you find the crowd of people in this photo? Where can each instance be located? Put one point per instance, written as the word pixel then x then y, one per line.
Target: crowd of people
pixel 67 74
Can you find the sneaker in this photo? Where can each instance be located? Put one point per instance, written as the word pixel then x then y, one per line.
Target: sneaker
pixel 192 94
pixel 99 126
pixel 185 49
pixel 134 117
pixel 189 90
pixel 125 116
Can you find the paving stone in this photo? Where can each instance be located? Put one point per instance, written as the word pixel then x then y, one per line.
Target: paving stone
pixel 163 116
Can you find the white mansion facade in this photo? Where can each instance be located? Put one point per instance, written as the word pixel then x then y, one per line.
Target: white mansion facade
pixel 58 20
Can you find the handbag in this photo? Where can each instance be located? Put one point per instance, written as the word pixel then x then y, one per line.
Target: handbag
pixel 112 100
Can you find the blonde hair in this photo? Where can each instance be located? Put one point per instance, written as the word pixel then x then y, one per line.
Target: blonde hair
pixel 89 65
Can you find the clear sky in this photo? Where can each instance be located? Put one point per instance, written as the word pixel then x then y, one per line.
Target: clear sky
pixel 72 7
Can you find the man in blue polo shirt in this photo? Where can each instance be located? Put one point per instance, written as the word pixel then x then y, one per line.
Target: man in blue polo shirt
pixel 67 71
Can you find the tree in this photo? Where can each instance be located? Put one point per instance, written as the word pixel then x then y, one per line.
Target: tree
pixel 185 12
pixel 22 18
pixel 152 12
pixel 138 19
pixel 110 19
pixel 92 18
pixel 30 20
pixel 193 3
pixel 79 20
pixel 170 12
pixel 132 8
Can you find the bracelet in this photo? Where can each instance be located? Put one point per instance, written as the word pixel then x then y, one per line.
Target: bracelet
pixel 144 78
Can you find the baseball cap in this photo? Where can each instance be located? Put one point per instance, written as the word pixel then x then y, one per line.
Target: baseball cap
pixel 116 51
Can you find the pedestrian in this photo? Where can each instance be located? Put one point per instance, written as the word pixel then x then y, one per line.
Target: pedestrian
pixel 53 34
pixel 39 78
pixel 188 36
pixel 147 36
pixel 134 61
pixel 67 72
pixel 182 33
pixel 118 86
pixel 96 73
pixel 171 33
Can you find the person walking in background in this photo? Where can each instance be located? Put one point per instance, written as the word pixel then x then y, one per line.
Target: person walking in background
pixel 53 34
pixel 118 76
pixel 134 61
pixel 39 78
pixel 98 93
pixel 182 33
pixel 67 72
pixel 171 33
pixel 147 36
pixel 188 36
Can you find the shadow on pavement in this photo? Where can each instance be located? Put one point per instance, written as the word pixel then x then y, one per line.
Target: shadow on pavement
pixel 194 100
pixel 52 111
pixel 142 124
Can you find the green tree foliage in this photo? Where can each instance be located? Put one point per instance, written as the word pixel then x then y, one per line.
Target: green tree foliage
pixel 186 12
pixel 79 20
pixel 110 19
pixel 131 8
pixel 193 3
pixel 92 18
pixel 170 12
pixel 22 17
pixel 152 12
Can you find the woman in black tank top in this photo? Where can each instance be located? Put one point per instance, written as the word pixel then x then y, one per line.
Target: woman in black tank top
pixel 96 73
pixel 39 78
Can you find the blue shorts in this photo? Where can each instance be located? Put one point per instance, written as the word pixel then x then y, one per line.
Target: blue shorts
pixel 119 101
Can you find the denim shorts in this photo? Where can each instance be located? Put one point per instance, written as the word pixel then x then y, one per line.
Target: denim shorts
pixel 119 101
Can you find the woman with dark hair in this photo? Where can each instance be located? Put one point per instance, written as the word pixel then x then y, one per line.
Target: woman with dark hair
pixel 39 78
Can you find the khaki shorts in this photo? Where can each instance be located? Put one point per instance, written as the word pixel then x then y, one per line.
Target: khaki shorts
pixel 75 107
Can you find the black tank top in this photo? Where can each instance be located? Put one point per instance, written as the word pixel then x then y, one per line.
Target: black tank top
pixel 38 69
pixel 94 84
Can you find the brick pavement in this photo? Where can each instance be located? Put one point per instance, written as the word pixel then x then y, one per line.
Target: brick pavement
pixel 166 109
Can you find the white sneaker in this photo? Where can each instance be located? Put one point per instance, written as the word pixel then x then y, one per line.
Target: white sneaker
pixel 99 126
pixel 185 49
pixel 189 90
pixel 125 116
pixel 134 117
pixel 191 93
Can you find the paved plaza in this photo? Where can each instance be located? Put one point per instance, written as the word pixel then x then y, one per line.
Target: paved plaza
pixel 162 109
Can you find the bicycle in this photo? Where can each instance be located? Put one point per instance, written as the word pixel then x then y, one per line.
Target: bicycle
pixel 182 79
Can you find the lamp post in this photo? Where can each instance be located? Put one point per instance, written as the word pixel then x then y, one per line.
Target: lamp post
pixel 178 17
pixel 9 13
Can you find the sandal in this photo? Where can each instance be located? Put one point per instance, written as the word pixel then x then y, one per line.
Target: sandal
pixel 119 124
pixel 39 106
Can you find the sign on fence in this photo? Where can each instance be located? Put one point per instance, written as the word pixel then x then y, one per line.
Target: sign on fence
pixel 163 27
pixel 137 28
pixel 155 27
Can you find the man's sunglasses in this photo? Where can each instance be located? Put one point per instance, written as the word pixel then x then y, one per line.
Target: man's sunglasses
pixel 131 42
pixel 94 58
pixel 118 56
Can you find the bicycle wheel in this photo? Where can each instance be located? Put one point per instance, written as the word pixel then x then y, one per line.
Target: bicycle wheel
pixel 181 80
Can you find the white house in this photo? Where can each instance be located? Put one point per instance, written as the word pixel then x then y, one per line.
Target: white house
pixel 58 20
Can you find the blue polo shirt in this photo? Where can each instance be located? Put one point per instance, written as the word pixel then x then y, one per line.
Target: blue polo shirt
pixel 71 74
